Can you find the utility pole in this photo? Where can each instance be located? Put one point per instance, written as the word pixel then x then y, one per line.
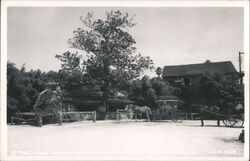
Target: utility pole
pixel 240 70
pixel 240 53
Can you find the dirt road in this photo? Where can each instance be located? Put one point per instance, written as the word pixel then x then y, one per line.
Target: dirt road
pixel 126 138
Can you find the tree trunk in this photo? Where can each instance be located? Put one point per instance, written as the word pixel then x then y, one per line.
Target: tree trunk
pixel 106 105
pixel 105 99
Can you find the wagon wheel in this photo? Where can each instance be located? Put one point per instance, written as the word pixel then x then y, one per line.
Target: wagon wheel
pixel 234 121
pixel 66 117
pixel 117 116
pixel 38 120
pixel 228 121
pixel 108 117
pixel 49 115
pixel 17 117
pixel 177 118
pixel 237 120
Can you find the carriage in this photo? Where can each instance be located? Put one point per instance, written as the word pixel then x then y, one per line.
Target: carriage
pixel 51 116
pixel 232 117
pixel 32 117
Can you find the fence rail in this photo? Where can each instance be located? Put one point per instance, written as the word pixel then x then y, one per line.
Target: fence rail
pixel 172 115
pixel 118 115
pixel 187 116
pixel 79 116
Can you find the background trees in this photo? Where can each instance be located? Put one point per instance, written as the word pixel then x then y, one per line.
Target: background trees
pixel 24 87
pixel 146 91
pixel 216 89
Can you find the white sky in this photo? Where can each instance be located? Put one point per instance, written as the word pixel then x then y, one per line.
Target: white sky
pixel 169 35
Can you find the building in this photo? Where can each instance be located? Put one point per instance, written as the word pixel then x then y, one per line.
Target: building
pixel 187 74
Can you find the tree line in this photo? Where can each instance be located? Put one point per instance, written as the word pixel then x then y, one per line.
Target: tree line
pixel 23 87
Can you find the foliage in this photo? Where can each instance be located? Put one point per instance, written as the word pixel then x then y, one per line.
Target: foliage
pixel 216 89
pixel 23 87
pixel 146 91
pixel 158 71
pixel 71 76
pixel 111 62
pixel 71 62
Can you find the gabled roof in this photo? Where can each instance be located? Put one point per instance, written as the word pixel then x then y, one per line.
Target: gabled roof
pixel 198 69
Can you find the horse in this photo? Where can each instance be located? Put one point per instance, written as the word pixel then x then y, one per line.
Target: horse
pixel 139 110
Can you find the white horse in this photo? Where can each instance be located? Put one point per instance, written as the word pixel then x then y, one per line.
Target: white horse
pixel 139 110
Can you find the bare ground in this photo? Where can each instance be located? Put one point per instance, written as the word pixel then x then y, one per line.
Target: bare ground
pixel 125 138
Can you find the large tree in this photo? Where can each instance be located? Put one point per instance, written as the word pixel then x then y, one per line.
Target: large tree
pixel 111 60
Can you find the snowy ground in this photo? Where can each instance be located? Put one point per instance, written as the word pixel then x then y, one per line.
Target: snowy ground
pixel 125 138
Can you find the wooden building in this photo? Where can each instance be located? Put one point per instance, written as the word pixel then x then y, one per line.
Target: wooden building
pixel 188 74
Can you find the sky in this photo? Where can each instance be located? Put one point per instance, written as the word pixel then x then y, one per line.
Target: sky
pixel 169 35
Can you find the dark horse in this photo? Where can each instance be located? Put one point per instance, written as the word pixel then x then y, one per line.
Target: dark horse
pixel 139 110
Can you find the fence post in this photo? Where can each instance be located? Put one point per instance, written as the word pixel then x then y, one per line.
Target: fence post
pixel 12 122
pixel 94 116
pixel 39 120
pixel 60 117
pixel 81 118
pixel 148 117
pixel 117 115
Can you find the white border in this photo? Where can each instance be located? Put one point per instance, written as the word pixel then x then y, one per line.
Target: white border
pixel 141 3
pixel 3 127
pixel 125 3
pixel 246 66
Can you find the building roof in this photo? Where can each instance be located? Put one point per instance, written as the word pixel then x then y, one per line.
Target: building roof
pixel 198 69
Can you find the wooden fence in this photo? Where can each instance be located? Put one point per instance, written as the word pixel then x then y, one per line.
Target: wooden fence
pixel 79 116
pixel 170 115
pixel 118 115
pixel 187 116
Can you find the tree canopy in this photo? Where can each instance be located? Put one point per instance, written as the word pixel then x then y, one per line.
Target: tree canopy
pixel 111 61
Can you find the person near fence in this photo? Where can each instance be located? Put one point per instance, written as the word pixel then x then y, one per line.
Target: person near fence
pixel 241 136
